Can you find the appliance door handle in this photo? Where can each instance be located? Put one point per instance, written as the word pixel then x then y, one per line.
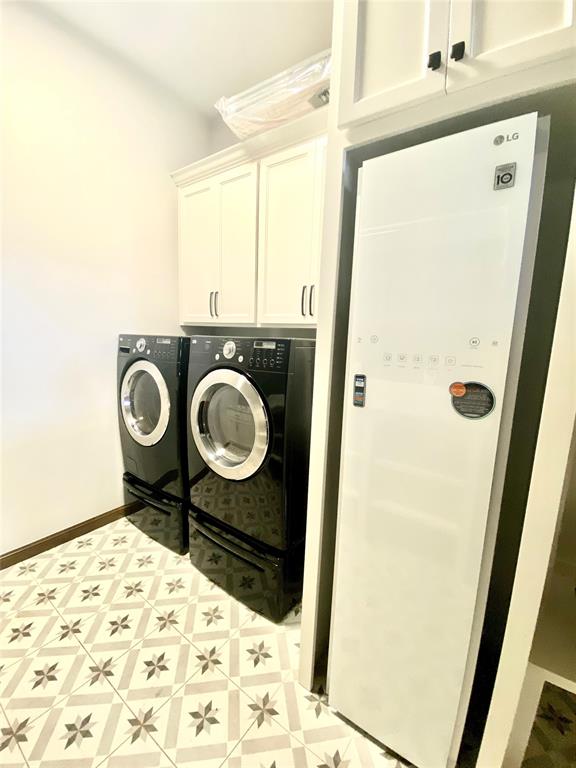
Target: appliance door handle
pixel 303 300
pixel 311 306
pixel 258 562
pixel 211 298
pixel 216 300
pixel 200 417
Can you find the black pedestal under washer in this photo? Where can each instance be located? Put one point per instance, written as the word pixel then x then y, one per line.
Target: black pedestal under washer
pixel 152 374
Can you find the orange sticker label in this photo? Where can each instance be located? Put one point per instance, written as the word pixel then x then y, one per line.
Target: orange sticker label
pixel 457 389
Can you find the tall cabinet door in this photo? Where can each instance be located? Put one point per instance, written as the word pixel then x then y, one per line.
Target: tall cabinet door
pixel 393 54
pixel 433 318
pixel 235 301
pixel 288 242
pixel 489 38
pixel 198 258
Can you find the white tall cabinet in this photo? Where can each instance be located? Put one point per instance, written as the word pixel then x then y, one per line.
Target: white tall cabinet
pixel 395 53
pixel 430 386
pixel 217 248
pixel 291 186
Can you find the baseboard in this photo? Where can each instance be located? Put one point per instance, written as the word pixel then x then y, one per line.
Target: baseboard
pixel 60 537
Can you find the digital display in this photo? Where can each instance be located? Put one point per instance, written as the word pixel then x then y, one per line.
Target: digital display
pixel 359 395
pixel 162 341
pixel 264 345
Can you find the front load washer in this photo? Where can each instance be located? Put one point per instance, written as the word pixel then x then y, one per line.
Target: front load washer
pixel 152 374
pixel 248 419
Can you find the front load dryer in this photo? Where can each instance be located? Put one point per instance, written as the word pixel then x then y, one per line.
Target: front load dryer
pixel 151 412
pixel 248 420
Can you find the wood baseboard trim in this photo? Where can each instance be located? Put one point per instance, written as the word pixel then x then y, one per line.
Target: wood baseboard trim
pixel 60 537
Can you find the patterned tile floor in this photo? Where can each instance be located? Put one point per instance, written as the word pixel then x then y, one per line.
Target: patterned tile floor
pixel 116 652
pixel 553 739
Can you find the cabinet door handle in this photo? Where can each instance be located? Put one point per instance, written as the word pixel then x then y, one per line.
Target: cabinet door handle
pixel 434 60
pixel 216 299
pixel 211 299
pixel 303 300
pixel 311 304
pixel 458 49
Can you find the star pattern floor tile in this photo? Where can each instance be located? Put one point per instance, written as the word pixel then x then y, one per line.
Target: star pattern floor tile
pixel 14 595
pixel 363 753
pixel 307 716
pixel 117 653
pixel 11 733
pixel 81 730
pixel 26 630
pixel 278 750
pixel 42 679
pixel 154 670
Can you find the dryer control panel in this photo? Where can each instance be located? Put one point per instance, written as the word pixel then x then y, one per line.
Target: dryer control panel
pixel 251 354
pixel 269 354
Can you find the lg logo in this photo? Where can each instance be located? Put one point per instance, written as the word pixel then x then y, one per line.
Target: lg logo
pixel 500 139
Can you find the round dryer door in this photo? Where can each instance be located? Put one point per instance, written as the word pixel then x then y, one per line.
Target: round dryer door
pixel 229 424
pixel 145 402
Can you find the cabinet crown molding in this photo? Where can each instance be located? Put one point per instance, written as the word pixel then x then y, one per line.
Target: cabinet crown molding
pixel 308 127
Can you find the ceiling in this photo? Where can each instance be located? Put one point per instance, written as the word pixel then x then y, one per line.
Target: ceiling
pixel 203 49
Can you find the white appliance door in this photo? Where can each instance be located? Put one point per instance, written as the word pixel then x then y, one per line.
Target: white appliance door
pixel 440 232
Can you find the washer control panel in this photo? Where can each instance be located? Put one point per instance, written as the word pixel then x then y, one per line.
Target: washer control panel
pixel 250 354
pixel 159 348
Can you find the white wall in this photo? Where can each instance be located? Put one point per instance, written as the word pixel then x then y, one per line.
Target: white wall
pixel 220 135
pixel 89 250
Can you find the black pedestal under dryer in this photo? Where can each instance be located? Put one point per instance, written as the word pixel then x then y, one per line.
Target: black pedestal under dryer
pixel 152 372
pixel 249 412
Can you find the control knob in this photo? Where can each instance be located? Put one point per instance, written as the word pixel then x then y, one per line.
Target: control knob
pixel 229 350
pixel 141 345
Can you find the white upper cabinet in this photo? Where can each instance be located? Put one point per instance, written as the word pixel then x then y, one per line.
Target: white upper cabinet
pixel 398 52
pixel 393 55
pixel 198 257
pixel 235 302
pixel 289 234
pixel 489 38
pixel 217 248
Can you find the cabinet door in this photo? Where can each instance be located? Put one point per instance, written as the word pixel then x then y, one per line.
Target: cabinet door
pixel 198 258
pixel 385 55
pixel 287 238
pixel 314 271
pixel 501 36
pixel 238 199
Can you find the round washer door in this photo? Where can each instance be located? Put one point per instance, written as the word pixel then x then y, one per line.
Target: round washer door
pixel 145 402
pixel 229 424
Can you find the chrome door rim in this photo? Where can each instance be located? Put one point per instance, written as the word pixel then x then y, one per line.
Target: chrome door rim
pixel 129 420
pixel 249 392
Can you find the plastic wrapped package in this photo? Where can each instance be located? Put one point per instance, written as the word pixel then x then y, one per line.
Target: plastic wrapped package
pixel 282 98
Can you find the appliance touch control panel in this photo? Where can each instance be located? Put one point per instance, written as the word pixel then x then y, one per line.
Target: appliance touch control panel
pixel 247 353
pixel 269 354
